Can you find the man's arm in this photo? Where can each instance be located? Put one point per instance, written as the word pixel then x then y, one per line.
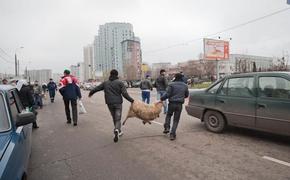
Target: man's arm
pixel 150 85
pixel 165 82
pixel 96 89
pixel 78 91
pixel 168 94
pixel 125 93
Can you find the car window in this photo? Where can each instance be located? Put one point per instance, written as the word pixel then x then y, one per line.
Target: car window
pixel 241 87
pixel 13 105
pixel 274 87
pixel 224 89
pixel 4 121
pixel 214 89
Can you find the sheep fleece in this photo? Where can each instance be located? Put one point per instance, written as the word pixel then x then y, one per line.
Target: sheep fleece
pixel 145 112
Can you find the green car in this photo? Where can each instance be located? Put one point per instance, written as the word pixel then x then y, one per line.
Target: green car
pixel 259 100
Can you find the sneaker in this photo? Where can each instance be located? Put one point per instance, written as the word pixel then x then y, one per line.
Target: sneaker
pixel 75 124
pixel 116 135
pixel 172 137
pixel 121 133
pixel 166 131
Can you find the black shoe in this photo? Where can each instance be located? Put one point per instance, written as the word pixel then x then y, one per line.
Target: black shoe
pixel 35 127
pixel 172 137
pixel 68 122
pixel 166 131
pixel 116 135
pixel 75 124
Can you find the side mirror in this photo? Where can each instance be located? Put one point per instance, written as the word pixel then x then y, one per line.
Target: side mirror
pixel 24 118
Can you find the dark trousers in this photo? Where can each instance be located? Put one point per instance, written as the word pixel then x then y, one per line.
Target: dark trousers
pixel 146 96
pixel 74 108
pixel 173 109
pixel 38 100
pixel 51 95
pixel 116 112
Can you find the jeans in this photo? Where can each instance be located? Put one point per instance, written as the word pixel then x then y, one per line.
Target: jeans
pixel 74 107
pixel 38 100
pixel 51 95
pixel 116 112
pixel 146 96
pixel 173 108
pixel 159 95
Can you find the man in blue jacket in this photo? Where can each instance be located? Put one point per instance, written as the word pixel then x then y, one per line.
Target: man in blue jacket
pixel 176 92
pixel 51 86
pixel 70 92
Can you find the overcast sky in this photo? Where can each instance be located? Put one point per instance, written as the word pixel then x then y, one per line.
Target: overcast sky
pixel 53 32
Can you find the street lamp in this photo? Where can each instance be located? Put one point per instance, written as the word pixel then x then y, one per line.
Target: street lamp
pixel 17 62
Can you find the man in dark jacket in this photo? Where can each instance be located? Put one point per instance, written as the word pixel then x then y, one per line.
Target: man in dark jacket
pixel 176 92
pixel 161 85
pixel 114 90
pixel 26 98
pixel 70 92
pixel 51 86
pixel 146 87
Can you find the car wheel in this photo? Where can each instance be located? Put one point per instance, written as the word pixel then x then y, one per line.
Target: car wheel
pixel 214 121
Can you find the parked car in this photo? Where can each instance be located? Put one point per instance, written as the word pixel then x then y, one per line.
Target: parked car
pixel 258 101
pixel 15 135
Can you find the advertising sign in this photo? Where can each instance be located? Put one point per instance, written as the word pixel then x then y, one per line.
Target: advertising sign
pixel 216 49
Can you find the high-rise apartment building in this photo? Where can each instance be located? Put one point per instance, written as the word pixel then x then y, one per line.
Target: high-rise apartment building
pixel 132 59
pixel 41 75
pixel 89 71
pixel 108 46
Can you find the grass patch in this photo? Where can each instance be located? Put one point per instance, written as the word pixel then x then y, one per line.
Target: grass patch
pixel 201 85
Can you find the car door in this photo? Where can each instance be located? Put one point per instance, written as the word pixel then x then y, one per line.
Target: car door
pixel 20 142
pixel 273 104
pixel 236 99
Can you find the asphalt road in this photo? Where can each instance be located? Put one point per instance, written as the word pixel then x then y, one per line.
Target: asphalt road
pixel 87 152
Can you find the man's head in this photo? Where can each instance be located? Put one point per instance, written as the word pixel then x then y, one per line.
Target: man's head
pixel 66 72
pixel 36 82
pixel 50 80
pixel 147 77
pixel 114 73
pixel 178 77
pixel 5 81
pixel 162 72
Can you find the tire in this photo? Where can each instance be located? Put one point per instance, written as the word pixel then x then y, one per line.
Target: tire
pixel 214 121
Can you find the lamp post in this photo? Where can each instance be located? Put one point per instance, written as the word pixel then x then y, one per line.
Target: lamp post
pixel 17 62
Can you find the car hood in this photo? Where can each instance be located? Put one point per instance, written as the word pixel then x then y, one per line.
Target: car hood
pixel 4 141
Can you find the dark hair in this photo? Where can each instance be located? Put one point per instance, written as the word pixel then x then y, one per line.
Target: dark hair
pixel 178 77
pixel 147 76
pixel 162 71
pixel 114 72
pixel 66 72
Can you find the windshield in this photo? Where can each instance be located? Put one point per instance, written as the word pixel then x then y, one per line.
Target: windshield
pixel 4 121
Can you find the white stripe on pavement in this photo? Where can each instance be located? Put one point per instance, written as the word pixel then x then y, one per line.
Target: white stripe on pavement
pixel 277 161
pixel 157 123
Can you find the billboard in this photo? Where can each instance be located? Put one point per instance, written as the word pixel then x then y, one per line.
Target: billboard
pixel 216 49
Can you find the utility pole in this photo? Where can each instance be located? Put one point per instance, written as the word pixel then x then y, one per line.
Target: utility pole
pixel 16 65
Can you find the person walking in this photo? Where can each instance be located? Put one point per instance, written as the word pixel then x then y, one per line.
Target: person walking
pixel 146 87
pixel 70 92
pixel 37 94
pixel 176 93
pixel 26 98
pixel 161 84
pixel 52 87
pixel 114 90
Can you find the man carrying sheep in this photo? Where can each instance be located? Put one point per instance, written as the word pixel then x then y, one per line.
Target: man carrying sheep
pixel 114 90
pixel 176 92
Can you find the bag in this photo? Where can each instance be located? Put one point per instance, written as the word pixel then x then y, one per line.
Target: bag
pixel 82 108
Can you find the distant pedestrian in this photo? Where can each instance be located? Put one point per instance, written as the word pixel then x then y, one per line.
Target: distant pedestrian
pixel 176 93
pixel 161 84
pixel 26 98
pixel 184 79
pixel 4 81
pixel 52 87
pixel 146 86
pixel 70 92
pixel 114 90
pixel 37 94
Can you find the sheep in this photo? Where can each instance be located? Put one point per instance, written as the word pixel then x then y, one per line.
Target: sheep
pixel 145 112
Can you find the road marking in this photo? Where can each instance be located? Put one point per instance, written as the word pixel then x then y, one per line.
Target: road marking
pixel 157 123
pixel 276 160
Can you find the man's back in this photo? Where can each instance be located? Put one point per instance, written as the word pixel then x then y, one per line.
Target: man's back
pixel 161 83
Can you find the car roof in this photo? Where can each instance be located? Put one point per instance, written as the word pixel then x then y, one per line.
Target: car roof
pixel 260 73
pixel 4 88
